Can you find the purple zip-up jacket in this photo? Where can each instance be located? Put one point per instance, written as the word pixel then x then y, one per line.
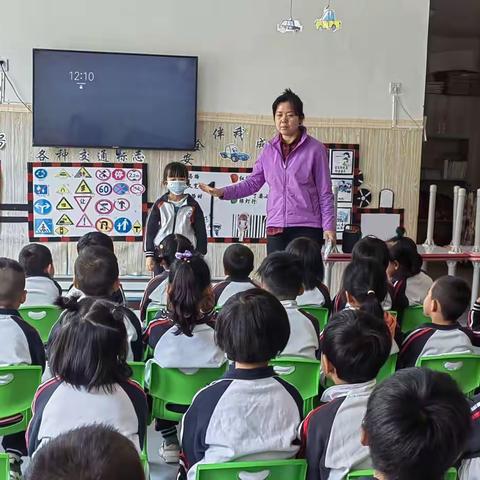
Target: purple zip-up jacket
pixel 300 188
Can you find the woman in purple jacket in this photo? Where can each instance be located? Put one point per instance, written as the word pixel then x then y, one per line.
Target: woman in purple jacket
pixel 295 167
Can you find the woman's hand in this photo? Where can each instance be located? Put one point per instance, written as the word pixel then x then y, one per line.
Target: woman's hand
pixel 214 192
pixel 150 264
pixel 330 236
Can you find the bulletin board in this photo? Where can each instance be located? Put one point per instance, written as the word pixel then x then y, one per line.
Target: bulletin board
pixel 67 200
pixel 380 222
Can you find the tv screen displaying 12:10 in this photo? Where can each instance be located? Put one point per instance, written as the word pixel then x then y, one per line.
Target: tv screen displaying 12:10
pixel 81 78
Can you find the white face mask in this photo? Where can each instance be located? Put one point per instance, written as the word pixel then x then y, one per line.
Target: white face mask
pixel 177 187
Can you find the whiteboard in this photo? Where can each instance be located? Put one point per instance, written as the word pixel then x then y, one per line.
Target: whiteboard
pixel 381 225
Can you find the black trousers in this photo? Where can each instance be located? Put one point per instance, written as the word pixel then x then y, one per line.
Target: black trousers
pixel 279 242
pixel 15 443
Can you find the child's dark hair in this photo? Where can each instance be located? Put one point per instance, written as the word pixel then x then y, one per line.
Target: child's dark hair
pixel 417 424
pixel 366 282
pixel 91 453
pixel 357 344
pixel 281 273
pixel 96 271
pixel 252 327
pixel 293 99
pixel 89 348
pixel 95 239
pixel 404 251
pixel 188 279
pixel 371 247
pixel 171 245
pixel 310 254
pixel 175 169
pixel 238 261
pixel 35 258
pixel 453 295
pixel 12 281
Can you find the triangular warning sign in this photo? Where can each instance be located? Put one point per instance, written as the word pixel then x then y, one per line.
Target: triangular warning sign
pixel 137 227
pixel 63 174
pixel 64 220
pixel 84 221
pixel 63 190
pixel 64 204
pixel 82 201
pixel 61 230
pixel 83 173
pixel 83 188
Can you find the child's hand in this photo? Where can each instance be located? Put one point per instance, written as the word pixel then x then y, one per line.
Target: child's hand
pixel 150 264
pixel 214 192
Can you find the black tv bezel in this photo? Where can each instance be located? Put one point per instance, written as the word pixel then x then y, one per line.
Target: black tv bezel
pixel 129 147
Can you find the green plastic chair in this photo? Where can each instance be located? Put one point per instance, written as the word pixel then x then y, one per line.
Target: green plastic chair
pixel 464 368
pixel 303 374
pixel 450 475
pixel 42 318
pixel 320 313
pixel 388 368
pixel 269 469
pixel 172 386
pixel 413 317
pixel 18 384
pixel 4 466
pixel 144 461
pixel 152 312
pixel 138 372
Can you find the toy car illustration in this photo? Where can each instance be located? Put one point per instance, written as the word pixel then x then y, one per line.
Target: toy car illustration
pixel 289 25
pixel 234 154
pixel 328 21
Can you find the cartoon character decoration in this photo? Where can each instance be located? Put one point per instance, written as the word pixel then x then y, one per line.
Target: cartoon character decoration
pixel 329 21
pixel 290 25
pixel 216 229
pixel 234 154
pixel 242 224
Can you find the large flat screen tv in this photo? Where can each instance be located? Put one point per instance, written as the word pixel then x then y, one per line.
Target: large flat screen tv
pixel 117 100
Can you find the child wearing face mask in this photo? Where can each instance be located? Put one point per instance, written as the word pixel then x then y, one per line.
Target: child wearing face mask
pixel 174 212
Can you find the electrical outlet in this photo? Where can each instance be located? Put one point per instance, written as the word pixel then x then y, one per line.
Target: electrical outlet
pixel 395 88
pixel 4 63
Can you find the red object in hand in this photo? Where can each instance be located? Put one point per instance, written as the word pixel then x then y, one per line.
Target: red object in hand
pixel 234 178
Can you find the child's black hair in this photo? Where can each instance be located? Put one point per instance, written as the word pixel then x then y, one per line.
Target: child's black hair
pixel 366 282
pixel 404 251
pixel 357 344
pixel 252 327
pixel 188 280
pixel 293 99
pixel 417 424
pixel 95 239
pixel 89 349
pixel 171 245
pixel 35 258
pixel 238 261
pixel 371 247
pixel 96 271
pixel 310 254
pixel 12 281
pixel 175 169
pixel 91 453
pixel 453 295
pixel 281 273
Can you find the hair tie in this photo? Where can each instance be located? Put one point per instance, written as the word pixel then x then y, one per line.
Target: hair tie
pixel 371 292
pixel 185 256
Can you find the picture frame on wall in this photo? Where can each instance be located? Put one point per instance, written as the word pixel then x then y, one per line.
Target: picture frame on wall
pixel 345 188
pixel 342 161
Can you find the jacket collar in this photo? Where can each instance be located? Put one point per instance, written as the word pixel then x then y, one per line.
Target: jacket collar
pixel 252 374
pixel 289 303
pixel 9 312
pixel 338 391
pixel 275 142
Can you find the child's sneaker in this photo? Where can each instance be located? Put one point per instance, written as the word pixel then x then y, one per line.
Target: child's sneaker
pixel 169 453
pixel 15 466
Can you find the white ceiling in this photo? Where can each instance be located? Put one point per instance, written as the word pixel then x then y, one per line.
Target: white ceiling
pixel 455 18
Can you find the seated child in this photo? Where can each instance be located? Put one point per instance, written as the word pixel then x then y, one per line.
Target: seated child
pixel 90 384
pixel 20 345
pixel 416 425
pixel 96 275
pixel 310 254
pixel 355 346
pixel 250 414
pixel 95 452
pixel 238 265
pixel 445 303
pixel 156 291
pixel 37 263
pixel 98 239
pixel 185 336
pixel 281 274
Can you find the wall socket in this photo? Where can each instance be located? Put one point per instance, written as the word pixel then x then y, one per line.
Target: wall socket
pixel 5 63
pixel 395 88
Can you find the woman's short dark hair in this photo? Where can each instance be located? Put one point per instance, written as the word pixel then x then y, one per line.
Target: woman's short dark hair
pixel 310 253
pixel 293 99
pixel 252 327
pixel 171 245
pixel 453 295
pixel 188 279
pixel 175 169
pixel 35 258
pixel 371 247
pixel 95 239
pixel 97 451
pixel 89 348
pixel 404 251
pixel 417 424
pixel 357 344
pixel 238 261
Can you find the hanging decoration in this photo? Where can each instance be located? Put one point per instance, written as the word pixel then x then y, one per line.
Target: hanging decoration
pixel 329 21
pixel 363 197
pixel 290 25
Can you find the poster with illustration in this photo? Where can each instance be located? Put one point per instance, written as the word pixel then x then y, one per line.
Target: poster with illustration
pixel 342 162
pixel 344 189
pixel 67 200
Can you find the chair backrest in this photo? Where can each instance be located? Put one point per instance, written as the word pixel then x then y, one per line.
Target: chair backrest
pixel 4 466
pixel 464 368
pixel 263 470
pixel 173 386
pixel 413 317
pixel 138 372
pixel 388 368
pixel 152 311
pixel 450 475
pixel 42 318
pixel 320 313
